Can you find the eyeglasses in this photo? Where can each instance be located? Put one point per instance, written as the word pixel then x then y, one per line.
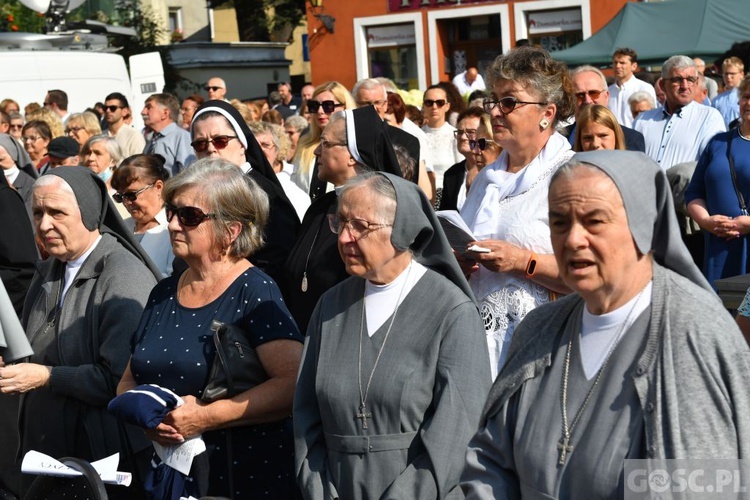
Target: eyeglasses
pixel 506 104
pixel 468 132
pixel 328 106
pixel 267 145
pixel 593 94
pixel 328 144
pixel 358 228
pixel 676 80
pixel 362 104
pixel 16 127
pixel 428 103
pixel 75 130
pixel 112 108
pixel 31 138
pixel 481 143
pixel 211 88
pixel 188 216
pixel 220 142
pixel 129 196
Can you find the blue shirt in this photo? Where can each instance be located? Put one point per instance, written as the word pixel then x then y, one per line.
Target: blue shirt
pixel 728 104
pixel 173 143
pixel 681 136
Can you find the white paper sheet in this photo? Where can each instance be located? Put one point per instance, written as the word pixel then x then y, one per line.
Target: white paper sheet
pixel 41 464
pixel 180 457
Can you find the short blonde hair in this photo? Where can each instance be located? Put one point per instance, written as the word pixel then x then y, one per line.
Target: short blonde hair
pixel 87 120
pixel 49 117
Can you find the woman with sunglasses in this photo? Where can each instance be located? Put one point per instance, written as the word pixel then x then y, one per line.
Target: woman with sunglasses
pixel 514 270
pixel 441 144
pixel 216 218
pixel 326 100
pixel 219 131
pixel 82 126
pixel 139 181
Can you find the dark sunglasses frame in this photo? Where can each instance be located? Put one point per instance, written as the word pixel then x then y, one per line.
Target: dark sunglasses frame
pixel 593 94
pixel 507 104
pixel 130 196
pixel 328 106
pixel 188 216
pixel 431 102
pixel 482 143
pixel 112 108
pixel 211 88
pixel 220 142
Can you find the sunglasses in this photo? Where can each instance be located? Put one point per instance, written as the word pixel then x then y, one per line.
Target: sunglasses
pixel 16 127
pixel 212 88
pixel 506 104
pixel 428 103
pixel 593 94
pixel 220 142
pixel 482 143
pixel 188 216
pixel 129 196
pixel 112 109
pixel 328 106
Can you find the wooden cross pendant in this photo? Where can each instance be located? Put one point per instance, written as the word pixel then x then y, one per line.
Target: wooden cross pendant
pixel 565 447
pixel 363 415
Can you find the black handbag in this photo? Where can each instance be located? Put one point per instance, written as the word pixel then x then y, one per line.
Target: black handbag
pixel 236 367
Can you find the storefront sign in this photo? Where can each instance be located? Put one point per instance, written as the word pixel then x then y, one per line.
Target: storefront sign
pixel 401 5
pixel 554 21
pixel 394 34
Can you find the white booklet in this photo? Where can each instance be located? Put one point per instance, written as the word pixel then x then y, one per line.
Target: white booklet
pixel 41 464
pixel 458 233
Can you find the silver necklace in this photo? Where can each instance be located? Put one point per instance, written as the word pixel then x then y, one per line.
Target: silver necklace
pixel 564 444
pixel 363 414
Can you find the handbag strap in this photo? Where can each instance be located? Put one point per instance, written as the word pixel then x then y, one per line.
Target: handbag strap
pixel 732 170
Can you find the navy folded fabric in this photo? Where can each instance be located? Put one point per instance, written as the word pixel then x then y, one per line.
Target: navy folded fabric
pixel 145 406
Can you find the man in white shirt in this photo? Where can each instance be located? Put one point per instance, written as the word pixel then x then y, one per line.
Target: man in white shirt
pixel 624 64
pixel 469 81
pixel 679 131
pixel 131 141
pixel 728 102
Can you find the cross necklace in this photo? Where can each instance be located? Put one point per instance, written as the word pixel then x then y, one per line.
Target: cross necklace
pixel 362 414
pixel 564 444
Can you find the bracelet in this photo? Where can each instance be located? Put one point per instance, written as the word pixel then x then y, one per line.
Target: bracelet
pixel 531 265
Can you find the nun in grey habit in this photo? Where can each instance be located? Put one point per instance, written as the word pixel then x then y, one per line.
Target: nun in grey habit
pixel 671 379
pixel 394 375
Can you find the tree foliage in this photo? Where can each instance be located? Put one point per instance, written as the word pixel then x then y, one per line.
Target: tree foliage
pixel 260 20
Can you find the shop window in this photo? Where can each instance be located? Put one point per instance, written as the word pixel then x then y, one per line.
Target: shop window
pixel 392 53
pixel 555 29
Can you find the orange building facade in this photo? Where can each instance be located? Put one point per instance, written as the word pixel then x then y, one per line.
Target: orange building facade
pixel 418 43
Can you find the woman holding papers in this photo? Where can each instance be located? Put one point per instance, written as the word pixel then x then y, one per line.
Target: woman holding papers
pixel 506 208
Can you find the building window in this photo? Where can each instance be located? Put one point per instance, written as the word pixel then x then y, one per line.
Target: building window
pixel 175 19
pixel 555 29
pixel 392 53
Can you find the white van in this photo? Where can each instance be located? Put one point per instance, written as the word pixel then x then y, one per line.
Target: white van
pixel 87 77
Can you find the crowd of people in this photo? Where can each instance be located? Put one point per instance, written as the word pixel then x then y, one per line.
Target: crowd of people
pixel 391 358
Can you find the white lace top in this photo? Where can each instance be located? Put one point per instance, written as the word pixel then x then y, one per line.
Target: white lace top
pixel 520 218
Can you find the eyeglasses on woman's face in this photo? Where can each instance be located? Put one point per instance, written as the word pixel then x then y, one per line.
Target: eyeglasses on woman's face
pixel 220 142
pixel 358 228
pixel 505 104
pixel 188 216
pixel 328 106
pixel 129 196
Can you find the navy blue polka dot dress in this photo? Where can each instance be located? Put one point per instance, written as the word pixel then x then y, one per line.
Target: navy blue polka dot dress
pixel 175 350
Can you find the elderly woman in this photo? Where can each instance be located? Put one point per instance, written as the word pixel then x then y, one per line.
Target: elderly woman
pixel 383 412
pixel 597 128
pixel 36 137
pixel 80 314
pixel 216 220
pixel 641 362
pixel 276 145
pixel 138 182
pixel 326 100
pixel 484 149
pixel 82 126
pixel 507 206
pixel 18 175
pixel 218 131
pixel 717 194
pixel 458 178
pixel 294 126
pixel 313 266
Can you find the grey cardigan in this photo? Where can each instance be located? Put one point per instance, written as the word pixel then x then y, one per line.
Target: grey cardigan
pixel 692 376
